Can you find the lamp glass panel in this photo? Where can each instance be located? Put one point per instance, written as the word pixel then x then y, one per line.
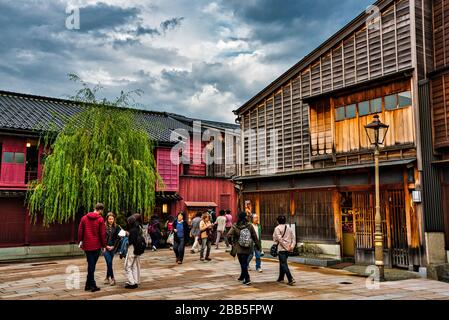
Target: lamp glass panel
pixel 371 133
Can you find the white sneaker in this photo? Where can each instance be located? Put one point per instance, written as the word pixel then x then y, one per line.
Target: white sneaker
pixel 260 270
pixel 154 248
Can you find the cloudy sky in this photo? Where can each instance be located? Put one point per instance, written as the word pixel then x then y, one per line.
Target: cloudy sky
pixel 194 57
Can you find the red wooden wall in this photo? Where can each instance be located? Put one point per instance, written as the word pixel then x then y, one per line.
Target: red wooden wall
pixel 168 170
pixel 197 169
pixel 220 191
pixel 13 173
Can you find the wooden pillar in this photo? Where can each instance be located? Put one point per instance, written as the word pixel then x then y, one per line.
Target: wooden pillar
pixel 337 218
pixel 407 204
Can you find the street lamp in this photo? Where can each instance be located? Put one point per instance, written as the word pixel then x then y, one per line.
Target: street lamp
pixel 376 132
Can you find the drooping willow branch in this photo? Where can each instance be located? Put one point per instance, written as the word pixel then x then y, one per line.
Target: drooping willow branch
pixel 100 155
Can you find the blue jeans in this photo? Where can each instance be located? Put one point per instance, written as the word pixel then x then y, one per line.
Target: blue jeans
pixel 256 253
pixel 243 259
pixel 283 267
pixel 178 248
pixel 92 258
pixel 108 257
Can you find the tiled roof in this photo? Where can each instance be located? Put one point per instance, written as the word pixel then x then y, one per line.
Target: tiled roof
pixel 35 113
pixel 215 124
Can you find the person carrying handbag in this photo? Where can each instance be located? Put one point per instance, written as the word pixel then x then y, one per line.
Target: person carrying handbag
pixel 285 241
pixel 206 236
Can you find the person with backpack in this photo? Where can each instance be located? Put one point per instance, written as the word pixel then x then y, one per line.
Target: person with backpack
pixel 181 234
pixel 242 237
pixel 206 235
pixel 285 241
pixel 154 230
pixel 221 225
pixel 195 231
pixel 112 242
pixel 92 239
pixel 254 252
pixel 137 245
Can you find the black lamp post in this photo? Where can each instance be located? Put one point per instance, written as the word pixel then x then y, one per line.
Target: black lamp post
pixel 376 132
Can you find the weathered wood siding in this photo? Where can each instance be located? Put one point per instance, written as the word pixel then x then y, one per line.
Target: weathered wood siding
pixel 440 81
pixel 374 50
pixel 441 33
pixel 350 133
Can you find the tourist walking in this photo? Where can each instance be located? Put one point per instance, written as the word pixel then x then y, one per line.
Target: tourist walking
pixel 92 239
pixel 169 231
pixel 154 230
pixel 137 245
pixel 254 252
pixel 228 226
pixel 285 240
pixel 181 236
pixel 112 242
pixel 195 232
pixel 221 225
pixel 206 235
pixel 242 237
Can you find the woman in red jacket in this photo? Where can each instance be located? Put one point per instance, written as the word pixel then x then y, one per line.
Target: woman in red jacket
pixel 92 238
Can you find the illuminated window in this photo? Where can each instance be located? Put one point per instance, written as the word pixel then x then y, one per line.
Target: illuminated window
pixel 19 157
pixel 351 111
pixel 340 113
pixel 405 99
pixel 391 102
pixel 376 105
pixel 8 157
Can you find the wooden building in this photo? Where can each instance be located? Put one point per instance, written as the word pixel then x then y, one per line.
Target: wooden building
pixel 306 154
pixel 24 117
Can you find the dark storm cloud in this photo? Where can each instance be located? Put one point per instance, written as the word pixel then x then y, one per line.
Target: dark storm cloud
pixel 171 24
pixel 104 16
pixel 303 24
pixel 121 43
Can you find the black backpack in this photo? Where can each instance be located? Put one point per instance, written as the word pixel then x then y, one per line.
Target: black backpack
pixel 141 244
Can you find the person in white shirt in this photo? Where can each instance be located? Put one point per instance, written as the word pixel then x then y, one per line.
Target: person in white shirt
pixel 221 226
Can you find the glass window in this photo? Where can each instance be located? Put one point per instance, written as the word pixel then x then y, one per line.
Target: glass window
pixel 8 157
pixel 405 99
pixel 364 108
pixel 376 105
pixel 351 111
pixel 339 113
pixel 19 157
pixel 391 102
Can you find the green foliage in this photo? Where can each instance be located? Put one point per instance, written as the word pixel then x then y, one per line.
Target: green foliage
pixel 101 155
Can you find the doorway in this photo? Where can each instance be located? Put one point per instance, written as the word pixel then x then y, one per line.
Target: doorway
pixel 347 221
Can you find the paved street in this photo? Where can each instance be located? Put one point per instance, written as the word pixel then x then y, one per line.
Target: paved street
pixel 163 279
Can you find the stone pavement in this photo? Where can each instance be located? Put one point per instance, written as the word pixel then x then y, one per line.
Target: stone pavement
pixel 196 280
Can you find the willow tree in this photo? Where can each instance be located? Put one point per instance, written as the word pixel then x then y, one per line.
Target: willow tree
pixel 102 154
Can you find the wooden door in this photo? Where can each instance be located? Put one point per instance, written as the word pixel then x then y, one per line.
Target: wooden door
pixel 398 227
pixel 13 161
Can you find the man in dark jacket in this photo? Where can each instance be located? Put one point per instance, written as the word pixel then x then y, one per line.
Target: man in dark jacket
pixel 181 235
pixel 92 238
pixel 243 237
